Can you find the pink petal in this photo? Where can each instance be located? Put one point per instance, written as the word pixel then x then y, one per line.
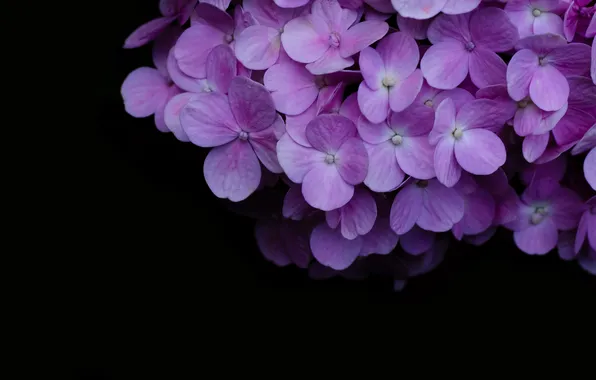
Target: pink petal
pixel 537 239
pixel 417 241
pixel 330 62
pixel 448 28
pixel 360 36
pixel 406 209
pixel 447 168
pixel 442 207
pixel 193 47
pixel 144 90
pixel 258 47
pixel 400 54
pixel 487 68
pixel 232 171
pixel 384 174
pixel 520 72
pixel 402 95
pixel 221 67
pixel 333 250
pixel 418 9
pixel 374 104
pixel 292 87
pixel 172 115
pixel 491 29
pixel 534 146
pixel 302 42
pixel 352 161
pixel 208 121
pixel 445 65
pixel 147 32
pixel 415 157
pixel 251 104
pixel 372 68
pixel 549 89
pixel 480 152
pixel 324 188
pixel 297 160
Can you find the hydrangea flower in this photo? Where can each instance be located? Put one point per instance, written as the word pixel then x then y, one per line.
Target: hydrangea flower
pixel 395 148
pixel 464 139
pixel 357 217
pixel 425 9
pixel 539 68
pixel 327 38
pixel 534 17
pixel 468 43
pixel 577 18
pixel 391 79
pixel 544 209
pixel 243 127
pixel 479 209
pixel 329 169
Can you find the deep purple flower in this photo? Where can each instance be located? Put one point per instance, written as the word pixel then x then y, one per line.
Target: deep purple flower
pixel 284 242
pixel 391 78
pixel 544 209
pixel 468 43
pixel 331 167
pixel 243 127
pixel 328 37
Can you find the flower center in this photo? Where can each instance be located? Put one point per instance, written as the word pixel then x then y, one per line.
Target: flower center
pixel 429 103
pixel 523 103
pixel 470 46
pixel 389 81
pixel 243 136
pixel 538 215
pixel 536 12
pixel 397 140
pixel 542 61
pixel 334 39
pixel 320 81
pixel 330 159
pixel 229 38
pixel 458 133
pixel 422 184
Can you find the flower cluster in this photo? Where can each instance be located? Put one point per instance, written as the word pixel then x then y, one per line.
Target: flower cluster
pixel 385 122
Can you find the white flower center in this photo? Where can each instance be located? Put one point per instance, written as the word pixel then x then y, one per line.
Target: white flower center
pixel 389 81
pixel 429 103
pixel 542 61
pixel 536 12
pixel 538 215
pixel 229 38
pixel 397 140
pixel 330 159
pixel 334 39
pixel 458 133
pixel 243 136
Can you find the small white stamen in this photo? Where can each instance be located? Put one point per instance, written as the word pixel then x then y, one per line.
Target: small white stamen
pixel 330 159
pixel 229 38
pixel 536 12
pixel 542 61
pixel 429 103
pixel 397 140
pixel 243 136
pixel 458 133
pixel 389 81
pixel 536 219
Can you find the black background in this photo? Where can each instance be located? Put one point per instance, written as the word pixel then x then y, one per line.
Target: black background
pixel 156 248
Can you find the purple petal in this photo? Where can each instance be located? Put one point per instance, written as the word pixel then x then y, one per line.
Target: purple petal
pixel 520 72
pixel 147 32
pixel 172 115
pixel 295 207
pixel 374 104
pixel 296 125
pixel 447 168
pixel 264 144
pixel 292 87
pixel 406 209
pixel 573 126
pixel 359 215
pixel 537 239
pixel 415 157
pixel 487 68
pixel 333 250
pixel 480 152
pixel 327 133
pixel 221 67
pixel 208 120
pixel 454 7
pixel 567 208
pixel 232 171
pixel 302 42
pixel 399 53
pixel 415 28
pixel 572 59
pixel 549 89
pixel 481 113
pixel 144 90
pixel 182 80
pixel 360 36
pixel 380 240
pixel 590 168
pixel 444 121
pixel 193 47
pixel 479 212
pixel 418 9
pixel 372 68
pixel 384 174
pixel 325 189
pixel 402 95
pixel 258 47
pixel 541 44
pixel 352 161
pixel 450 27
pixel 534 146
pixel 445 65
pixel 251 104
pixel 442 207
pixel 417 241
pixel 297 160
pixel 491 29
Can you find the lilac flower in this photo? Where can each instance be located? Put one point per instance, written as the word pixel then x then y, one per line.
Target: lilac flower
pixel 331 167
pixel 539 68
pixel 243 127
pixel 533 17
pixel 587 226
pixel 284 242
pixel 258 46
pixel 328 37
pixel 428 204
pixel 528 119
pixel 577 18
pixel 391 80
pixel 468 43
pixel 397 147
pixel 464 139
pixel 544 209
pixel 357 217
pixel 425 9
pixel 588 143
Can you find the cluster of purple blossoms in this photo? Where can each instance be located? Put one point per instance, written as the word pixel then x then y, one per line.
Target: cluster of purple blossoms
pixel 391 126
